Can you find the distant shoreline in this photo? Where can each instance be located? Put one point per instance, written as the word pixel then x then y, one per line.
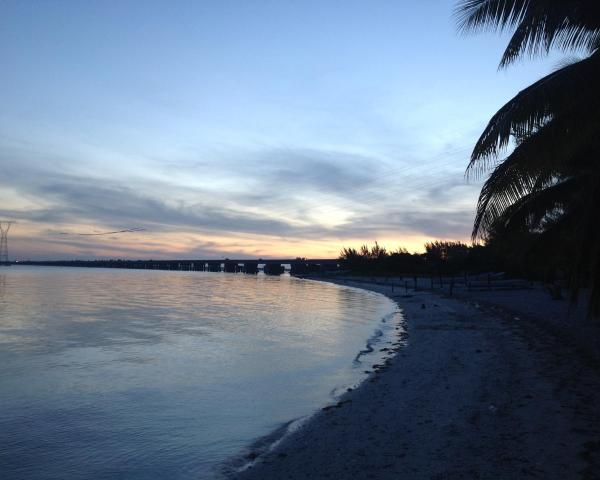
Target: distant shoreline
pixel 476 393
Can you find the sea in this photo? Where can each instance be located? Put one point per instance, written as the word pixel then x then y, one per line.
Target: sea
pixel 147 374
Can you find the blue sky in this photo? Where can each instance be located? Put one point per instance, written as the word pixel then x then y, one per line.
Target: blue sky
pixel 241 128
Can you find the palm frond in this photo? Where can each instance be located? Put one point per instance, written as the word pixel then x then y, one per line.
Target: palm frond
pixel 539 24
pixel 546 192
pixel 538 33
pixel 507 185
pixel 496 14
pixel 531 209
pixel 557 150
pixel 571 88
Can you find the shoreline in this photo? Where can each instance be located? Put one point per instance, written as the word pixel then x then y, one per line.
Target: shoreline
pixel 377 348
pixel 475 393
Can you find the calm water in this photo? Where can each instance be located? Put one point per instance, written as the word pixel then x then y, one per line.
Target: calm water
pixel 152 375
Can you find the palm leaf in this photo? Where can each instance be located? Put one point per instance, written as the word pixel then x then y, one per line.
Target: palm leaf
pixel 533 208
pixel 546 193
pixel 555 150
pixel 571 90
pixel 539 24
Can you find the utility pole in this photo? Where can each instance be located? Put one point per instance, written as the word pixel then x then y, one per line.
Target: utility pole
pixel 4 228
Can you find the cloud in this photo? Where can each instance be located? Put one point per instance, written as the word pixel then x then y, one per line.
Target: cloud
pixel 266 176
pixel 81 200
pixel 319 171
pixel 451 225
pixel 286 194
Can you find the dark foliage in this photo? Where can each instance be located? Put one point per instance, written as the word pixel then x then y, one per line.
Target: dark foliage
pixel 440 258
pixel 539 206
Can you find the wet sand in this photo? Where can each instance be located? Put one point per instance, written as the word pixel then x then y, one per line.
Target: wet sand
pixel 474 393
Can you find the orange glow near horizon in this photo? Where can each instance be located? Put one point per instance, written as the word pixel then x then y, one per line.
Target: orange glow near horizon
pixel 30 240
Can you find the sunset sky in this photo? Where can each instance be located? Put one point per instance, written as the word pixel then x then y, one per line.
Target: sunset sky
pixel 256 128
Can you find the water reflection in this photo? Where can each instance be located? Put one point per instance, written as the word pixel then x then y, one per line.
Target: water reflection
pixel 158 374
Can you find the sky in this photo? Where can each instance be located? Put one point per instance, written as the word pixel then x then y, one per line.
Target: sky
pixel 241 129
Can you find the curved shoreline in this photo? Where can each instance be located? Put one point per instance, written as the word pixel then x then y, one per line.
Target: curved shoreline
pixel 266 444
pixel 470 396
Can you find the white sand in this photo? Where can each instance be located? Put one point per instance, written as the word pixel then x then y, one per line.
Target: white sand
pixel 474 394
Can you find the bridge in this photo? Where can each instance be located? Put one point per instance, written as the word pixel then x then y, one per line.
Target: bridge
pixel 298 266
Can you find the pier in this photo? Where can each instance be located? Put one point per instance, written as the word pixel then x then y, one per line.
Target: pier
pixel 296 266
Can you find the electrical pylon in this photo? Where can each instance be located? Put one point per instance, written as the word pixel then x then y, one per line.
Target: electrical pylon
pixel 4 228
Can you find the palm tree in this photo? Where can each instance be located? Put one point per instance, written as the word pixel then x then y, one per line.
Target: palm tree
pixel 549 183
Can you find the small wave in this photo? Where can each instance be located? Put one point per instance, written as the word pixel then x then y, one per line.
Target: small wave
pixel 374 339
pixel 260 446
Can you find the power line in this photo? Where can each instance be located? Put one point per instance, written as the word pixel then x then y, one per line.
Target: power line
pixel 127 230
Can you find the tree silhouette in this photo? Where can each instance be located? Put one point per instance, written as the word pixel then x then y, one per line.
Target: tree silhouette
pixel 446 257
pixel 549 183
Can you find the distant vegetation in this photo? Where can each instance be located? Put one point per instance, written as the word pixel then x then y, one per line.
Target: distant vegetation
pixel 540 205
pixel 453 258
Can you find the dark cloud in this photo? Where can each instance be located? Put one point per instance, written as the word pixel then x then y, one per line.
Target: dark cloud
pixel 320 171
pixel 83 199
pixel 267 176
pixel 52 248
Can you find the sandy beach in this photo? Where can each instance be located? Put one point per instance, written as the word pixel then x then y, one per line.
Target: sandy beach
pixel 473 391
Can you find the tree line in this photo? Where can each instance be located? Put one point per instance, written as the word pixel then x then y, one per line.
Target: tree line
pixel 518 258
